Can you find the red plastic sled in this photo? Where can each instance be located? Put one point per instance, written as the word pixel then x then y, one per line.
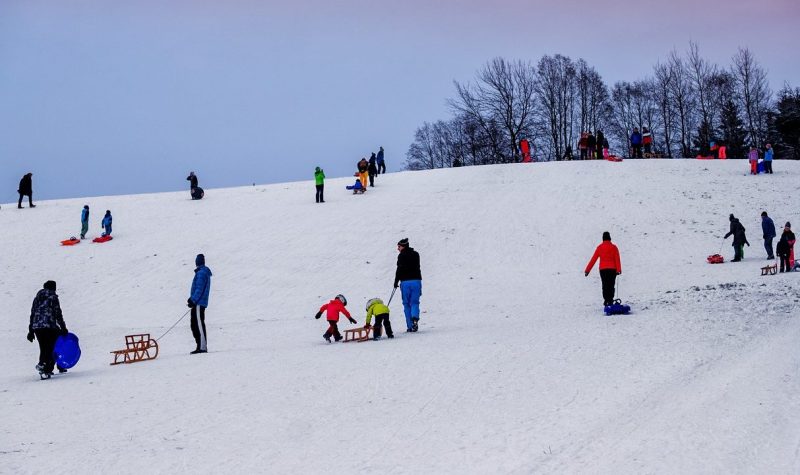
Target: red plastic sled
pixel 102 239
pixel 70 242
pixel 613 158
pixel 715 259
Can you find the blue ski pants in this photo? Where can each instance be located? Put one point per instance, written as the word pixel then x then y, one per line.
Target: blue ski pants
pixel 411 291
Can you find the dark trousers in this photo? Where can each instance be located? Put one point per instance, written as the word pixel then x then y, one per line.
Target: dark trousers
pixel 30 200
pixel 381 167
pixel 768 247
pixel 637 151
pixel 785 264
pixel 583 154
pixel 647 147
pixel 608 277
pixel 382 319
pixel 372 179
pixel 738 251
pixel 199 327
pixel 320 189
pixel 47 341
pixel 767 166
pixel 333 330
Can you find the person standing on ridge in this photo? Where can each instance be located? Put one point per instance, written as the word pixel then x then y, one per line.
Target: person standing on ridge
pixel 768 153
pixel 363 171
pixel 636 143
pixel 198 299
pixel 409 278
pixel 381 162
pixel 26 189
pixel 769 233
pixel 591 142
pixel 106 224
pixel 647 140
pixel 739 238
pixel 319 181
pixel 752 156
pixel 46 324
pixel 192 178
pixel 372 170
pixel 84 221
pixel 600 139
pixel 610 267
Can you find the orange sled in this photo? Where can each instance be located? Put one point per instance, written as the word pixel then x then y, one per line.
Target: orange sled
pixel 715 259
pixel 70 242
pixel 138 347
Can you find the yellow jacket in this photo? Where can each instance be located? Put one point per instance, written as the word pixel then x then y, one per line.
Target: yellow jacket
pixel 376 307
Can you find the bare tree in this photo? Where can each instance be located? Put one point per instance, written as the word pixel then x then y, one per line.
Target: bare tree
pixel 682 95
pixel 663 86
pixel 556 89
pixel 753 93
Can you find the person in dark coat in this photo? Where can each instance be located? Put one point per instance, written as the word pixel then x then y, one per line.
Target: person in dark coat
pixel 591 142
pixel 26 189
pixel 192 178
pixel 46 324
pixel 84 221
pixel 372 170
pixel 409 277
pixel 381 162
pixel 600 140
pixel 768 227
pixel 198 302
pixel 739 238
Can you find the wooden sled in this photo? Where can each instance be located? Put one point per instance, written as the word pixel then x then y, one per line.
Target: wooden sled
pixel 137 348
pixel 769 270
pixel 653 155
pixel 357 334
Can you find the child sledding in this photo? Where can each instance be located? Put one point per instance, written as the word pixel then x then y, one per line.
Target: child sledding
pixel 332 310
pixel 357 187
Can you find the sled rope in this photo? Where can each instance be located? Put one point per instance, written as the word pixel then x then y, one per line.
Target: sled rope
pixel 173 325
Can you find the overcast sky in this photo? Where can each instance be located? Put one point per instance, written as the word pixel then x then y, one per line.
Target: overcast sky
pixel 116 97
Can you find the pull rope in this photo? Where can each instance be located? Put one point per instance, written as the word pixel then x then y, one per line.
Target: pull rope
pixel 174 324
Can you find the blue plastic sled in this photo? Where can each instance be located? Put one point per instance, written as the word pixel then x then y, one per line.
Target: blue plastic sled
pixel 67 351
pixel 617 308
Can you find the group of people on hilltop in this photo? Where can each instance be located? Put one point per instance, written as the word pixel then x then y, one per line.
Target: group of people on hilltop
pixel 591 146
pixel 366 171
pixel 784 249
pixel 105 224
pixel 640 140
pixel 753 156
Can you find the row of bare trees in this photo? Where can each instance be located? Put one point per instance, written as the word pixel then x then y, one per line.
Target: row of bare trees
pixel 687 102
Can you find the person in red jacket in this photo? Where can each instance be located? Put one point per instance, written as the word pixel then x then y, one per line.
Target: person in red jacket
pixel 332 309
pixel 610 266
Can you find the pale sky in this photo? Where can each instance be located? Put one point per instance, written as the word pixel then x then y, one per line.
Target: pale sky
pixel 113 97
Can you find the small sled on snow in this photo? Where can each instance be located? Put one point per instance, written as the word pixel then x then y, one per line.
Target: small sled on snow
pixel 138 347
pixel 613 158
pixel 102 239
pixel 617 308
pixel 769 270
pixel 357 334
pixel 71 241
pixel 715 259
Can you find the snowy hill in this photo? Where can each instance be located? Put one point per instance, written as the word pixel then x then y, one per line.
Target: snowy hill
pixel 514 370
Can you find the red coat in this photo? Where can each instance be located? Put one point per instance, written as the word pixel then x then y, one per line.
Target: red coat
pixel 333 308
pixel 608 255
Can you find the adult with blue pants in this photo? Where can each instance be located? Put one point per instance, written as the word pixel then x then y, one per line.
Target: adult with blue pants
pixel 198 301
pixel 409 278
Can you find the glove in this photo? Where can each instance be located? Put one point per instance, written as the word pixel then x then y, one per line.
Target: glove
pixel 619 273
pixel 748 244
pixel 353 321
pixel 396 285
pixel 319 314
pixel 586 274
pixel 191 303
pixel 367 326
pixel 30 336
pixel 64 331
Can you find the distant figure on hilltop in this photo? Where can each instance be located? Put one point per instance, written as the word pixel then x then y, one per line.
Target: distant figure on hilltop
pixel 610 267
pixel 591 142
pixel 752 157
pixel 636 143
pixel 198 298
pixel 583 145
pixel 381 162
pixel 647 140
pixel 372 170
pixel 84 221
pixel 363 171
pixel 739 238
pixel 601 140
pixel 319 181
pixel 106 224
pixel 26 189
pixel 768 153
pixel 196 192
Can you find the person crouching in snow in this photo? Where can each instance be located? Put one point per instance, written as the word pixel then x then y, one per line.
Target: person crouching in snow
pixel 357 187
pixel 198 299
pixel 332 310
pixel 106 224
pixel 610 267
pixel 377 308
pixel 46 324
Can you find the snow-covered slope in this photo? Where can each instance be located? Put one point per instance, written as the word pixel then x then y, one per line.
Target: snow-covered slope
pixel 514 370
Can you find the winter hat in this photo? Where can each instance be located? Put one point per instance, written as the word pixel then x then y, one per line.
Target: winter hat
pixel 403 242
pixel 763 213
pixel 731 218
pixel 50 285
pixel 606 236
pixel 317 169
pixel 85 206
pixel 200 260
pixel 788 225
pixel 372 302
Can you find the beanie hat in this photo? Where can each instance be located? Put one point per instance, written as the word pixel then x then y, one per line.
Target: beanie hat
pixel 606 236
pixel 788 225
pixel 731 218
pixel 50 285
pixel 403 242
pixel 200 260
pixel 86 206
pixel 763 213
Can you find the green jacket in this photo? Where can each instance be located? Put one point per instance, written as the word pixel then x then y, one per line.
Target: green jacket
pixel 376 307
pixel 319 176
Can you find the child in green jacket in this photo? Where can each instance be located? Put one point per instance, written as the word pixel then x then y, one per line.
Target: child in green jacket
pixel 377 308
pixel 319 179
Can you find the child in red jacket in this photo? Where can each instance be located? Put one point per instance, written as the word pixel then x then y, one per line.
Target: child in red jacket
pixel 332 309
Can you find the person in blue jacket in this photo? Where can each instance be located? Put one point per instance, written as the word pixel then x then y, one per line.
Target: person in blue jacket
pixel 636 143
pixel 381 162
pixel 769 233
pixel 198 298
pixel 84 221
pixel 106 224
pixel 768 159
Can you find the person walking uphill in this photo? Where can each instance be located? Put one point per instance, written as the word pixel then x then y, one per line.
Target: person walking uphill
pixel 409 277
pixel 84 221
pixel 198 302
pixel 332 310
pixel 381 162
pixel 26 189
pixel 46 324
pixel 372 170
pixel 610 267
pixel 739 238
pixel 363 171
pixel 319 181
pixel 768 227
